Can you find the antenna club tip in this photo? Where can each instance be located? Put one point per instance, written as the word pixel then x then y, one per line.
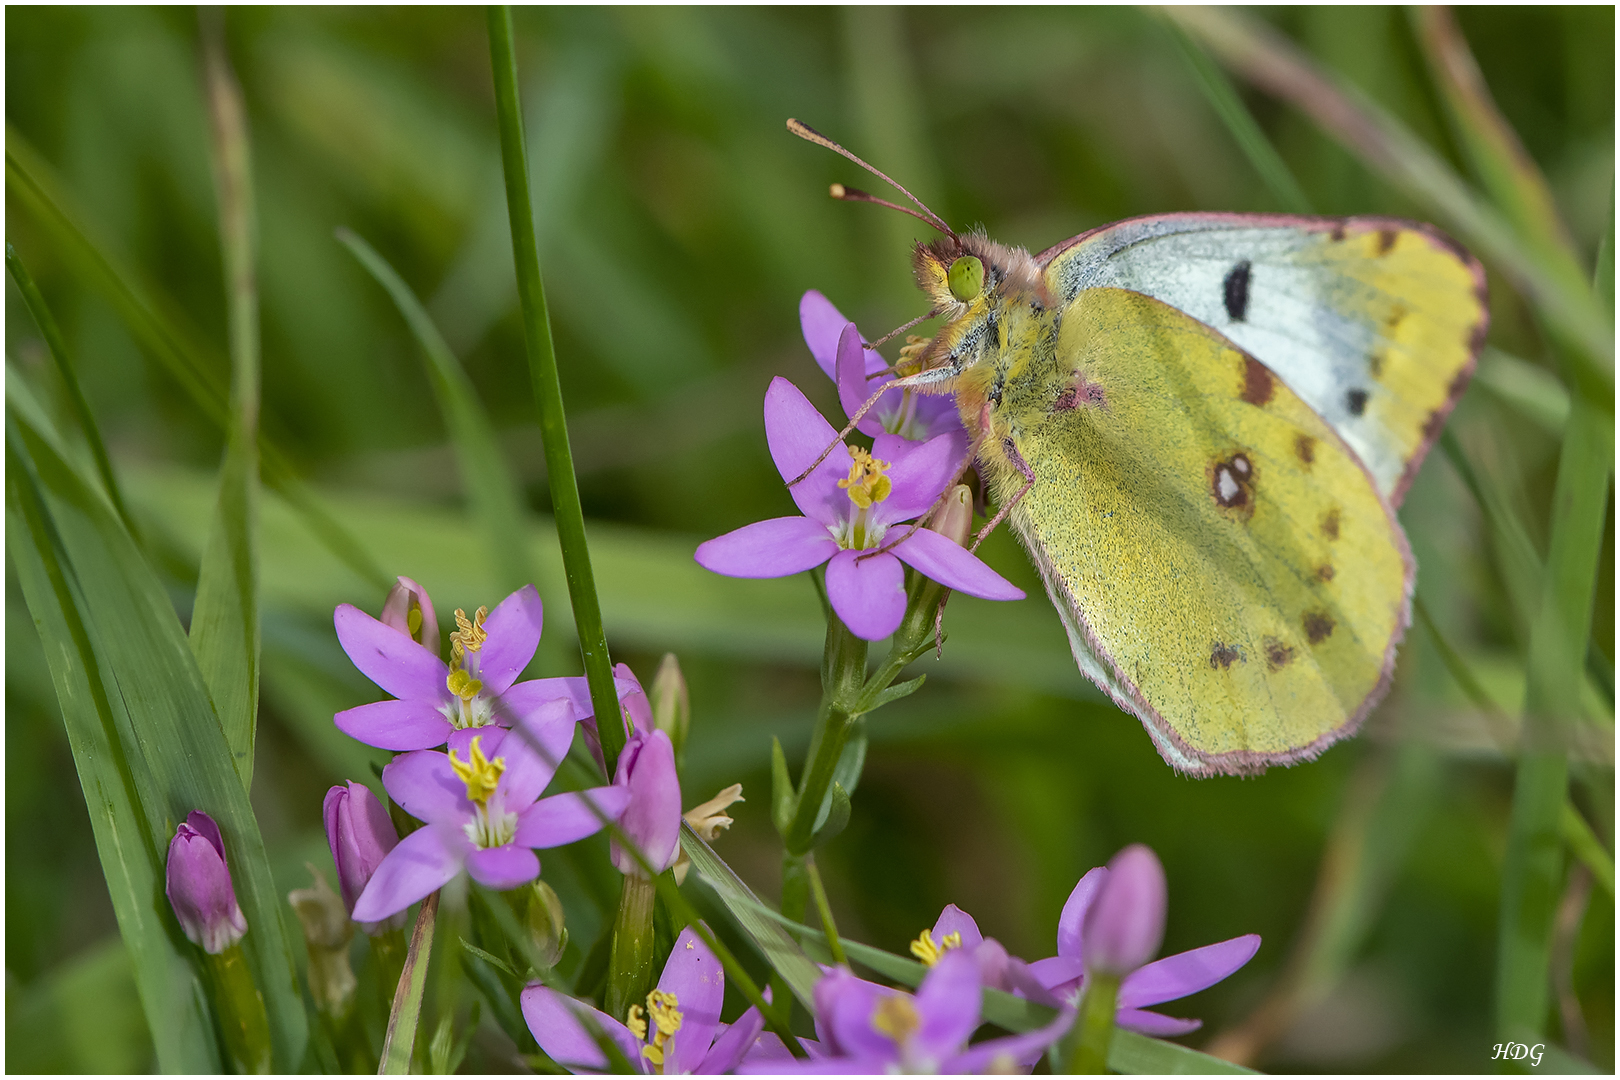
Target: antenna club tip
pixel 837 191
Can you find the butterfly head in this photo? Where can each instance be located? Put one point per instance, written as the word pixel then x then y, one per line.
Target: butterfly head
pixel 967 278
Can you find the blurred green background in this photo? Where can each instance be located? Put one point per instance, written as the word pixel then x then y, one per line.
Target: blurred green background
pixel 679 225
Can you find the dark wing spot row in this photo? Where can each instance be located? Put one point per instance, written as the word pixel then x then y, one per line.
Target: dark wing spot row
pixel 1235 291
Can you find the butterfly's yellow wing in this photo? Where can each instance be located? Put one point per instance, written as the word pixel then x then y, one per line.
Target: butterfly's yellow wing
pixel 1226 567
pixel 1374 322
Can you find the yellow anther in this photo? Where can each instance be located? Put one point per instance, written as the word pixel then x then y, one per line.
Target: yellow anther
pixel 469 635
pixel 636 1021
pixel 866 484
pixel 666 1019
pixel 911 352
pixel 413 620
pixel 896 1017
pixel 926 949
pixel 463 685
pixel 478 772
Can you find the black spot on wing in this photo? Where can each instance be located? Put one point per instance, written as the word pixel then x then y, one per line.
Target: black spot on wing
pixel 1223 656
pixel 1318 626
pixel 1356 401
pixel 1235 291
pixel 1278 655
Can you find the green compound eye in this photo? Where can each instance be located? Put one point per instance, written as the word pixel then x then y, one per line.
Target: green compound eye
pixel 966 278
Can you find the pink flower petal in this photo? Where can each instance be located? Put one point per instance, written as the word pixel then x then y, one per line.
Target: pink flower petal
pixel 533 750
pixel 514 634
pixel 941 560
pixel 857 382
pixel 390 659
pixel 1074 912
pixel 920 473
pixel 797 434
pixel 424 784
pixel 868 594
pixel 503 867
pixel 554 1021
pixel 766 549
pixel 698 982
pixel 821 324
pixel 1125 925
pixel 562 819
pixel 652 820
pixel 1151 1023
pixel 948 1002
pixel 423 861
pixel 953 920
pixel 410 724
pixel 1187 972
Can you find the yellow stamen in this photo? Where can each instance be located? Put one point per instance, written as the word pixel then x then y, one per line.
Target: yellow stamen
pixel 413 620
pixel 463 685
pixel 666 1018
pixel 910 361
pixel 636 1021
pixel 926 949
pixel 478 772
pixel 469 635
pixel 896 1017
pixel 866 484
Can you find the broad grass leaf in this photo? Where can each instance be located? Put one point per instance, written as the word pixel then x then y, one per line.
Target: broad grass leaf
pixel 146 740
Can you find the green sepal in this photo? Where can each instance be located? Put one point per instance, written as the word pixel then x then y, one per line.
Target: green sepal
pixel 781 789
pixel 896 692
pixel 837 816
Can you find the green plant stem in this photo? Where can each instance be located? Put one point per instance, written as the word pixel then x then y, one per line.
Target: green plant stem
pixel 548 393
pixel 240 1008
pixel 406 1011
pixel 389 950
pixel 1096 1024
pixel 630 960
pixel 35 303
pixel 843 674
pixel 1533 867
pixel 835 946
pixel 1585 846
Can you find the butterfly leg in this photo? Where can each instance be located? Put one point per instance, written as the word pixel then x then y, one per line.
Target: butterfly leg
pixel 1029 482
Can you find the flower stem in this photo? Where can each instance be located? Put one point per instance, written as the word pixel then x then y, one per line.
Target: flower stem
pixel 843 673
pixel 825 910
pixel 389 950
pixel 240 1008
pixel 630 962
pixel 1096 1024
pixel 548 392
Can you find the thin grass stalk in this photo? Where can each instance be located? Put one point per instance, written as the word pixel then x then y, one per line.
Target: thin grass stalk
pixel 406 1012
pixel 225 618
pixel 542 356
pixel 35 303
pixel 154 323
pixel 1244 128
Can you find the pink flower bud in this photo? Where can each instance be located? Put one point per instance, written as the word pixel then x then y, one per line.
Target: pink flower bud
pixel 360 834
pixel 652 821
pixel 198 884
pixel 1125 924
pixel 954 518
pixel 409 610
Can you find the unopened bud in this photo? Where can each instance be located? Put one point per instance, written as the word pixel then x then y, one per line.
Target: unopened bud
pixel 544 918
pixel 954 518
pixel 327 931
pixel 360 833
pixel 197 880
pixel 1125 923
pixel 671 704
pixel 409 610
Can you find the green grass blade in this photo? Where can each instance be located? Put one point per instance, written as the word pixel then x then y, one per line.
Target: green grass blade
pixel 1509 174
pixel 1389 148
pixel 548 390
pixel 407 1010
pixel 156 324
pixel 1245 129
pixel 225 618
pixel 1533 868
pixel 156 718
pixel 781 952
pixel 491 491
pixel 35 303
pixel 1585 846
pixel 1533 392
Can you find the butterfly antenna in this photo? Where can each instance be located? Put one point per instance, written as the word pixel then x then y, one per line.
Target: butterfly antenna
pixel 849 194
pixel 810 134
pixel 897 331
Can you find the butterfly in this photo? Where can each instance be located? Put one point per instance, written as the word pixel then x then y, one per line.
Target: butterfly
pixel 1200 425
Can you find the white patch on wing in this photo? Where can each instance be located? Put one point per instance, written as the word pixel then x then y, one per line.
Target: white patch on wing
pixel 1226 486
pixel 1292 322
